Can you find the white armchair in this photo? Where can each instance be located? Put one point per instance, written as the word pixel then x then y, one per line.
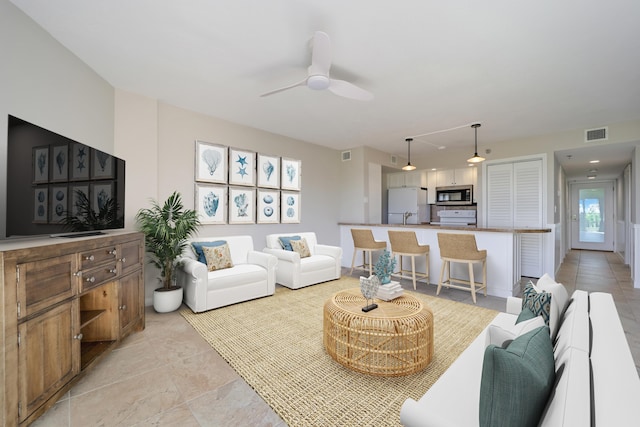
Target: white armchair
pixel 294 272
pixel 253 275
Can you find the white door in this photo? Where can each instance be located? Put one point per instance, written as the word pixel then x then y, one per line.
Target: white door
pixel 592 216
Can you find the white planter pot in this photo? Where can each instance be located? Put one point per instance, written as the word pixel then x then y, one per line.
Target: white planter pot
pixel 167 301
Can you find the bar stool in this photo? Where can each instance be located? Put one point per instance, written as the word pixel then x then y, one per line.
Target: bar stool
pixel 363 241
pixel 461 248
pixel 405 243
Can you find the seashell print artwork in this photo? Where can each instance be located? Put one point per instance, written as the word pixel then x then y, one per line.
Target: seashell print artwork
pixel 103 198
pixel 42 162
pixel 291 212
pixel 268 169
pixel 210 203
pixel 268 211
pixel 291 173
pixel 61 159
pixel 102 159
pixel 212 159
pixel 268 199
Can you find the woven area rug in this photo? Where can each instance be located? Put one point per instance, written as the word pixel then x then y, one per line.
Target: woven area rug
pixel 275 344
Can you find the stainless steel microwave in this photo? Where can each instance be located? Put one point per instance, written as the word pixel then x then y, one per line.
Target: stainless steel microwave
pixel 454 195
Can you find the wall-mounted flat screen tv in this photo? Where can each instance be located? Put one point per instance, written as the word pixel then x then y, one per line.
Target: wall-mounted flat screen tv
pixel 58 186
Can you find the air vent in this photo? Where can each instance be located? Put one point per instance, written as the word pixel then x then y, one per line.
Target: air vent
pixel 394 160
pixel 600 134
pixel 346 156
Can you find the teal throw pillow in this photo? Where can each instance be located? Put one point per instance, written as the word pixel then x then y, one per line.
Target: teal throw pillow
pixel 285 242
pixel 517 381
pixel 538 302
pixel 525 314
pixel 197 248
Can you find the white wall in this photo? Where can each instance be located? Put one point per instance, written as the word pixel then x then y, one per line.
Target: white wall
pixel 43 83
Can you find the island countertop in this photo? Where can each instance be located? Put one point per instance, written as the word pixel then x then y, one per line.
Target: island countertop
pixel 452 227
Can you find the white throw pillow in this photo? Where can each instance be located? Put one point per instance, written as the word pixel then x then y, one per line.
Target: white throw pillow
pixel 498 336
pixel 559 300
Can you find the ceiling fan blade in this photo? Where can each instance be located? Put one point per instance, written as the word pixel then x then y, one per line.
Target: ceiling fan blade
pixel 282 89
pixel 321 54
pixel 349 90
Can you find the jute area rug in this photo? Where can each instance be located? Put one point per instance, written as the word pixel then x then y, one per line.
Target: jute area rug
pixel 275 345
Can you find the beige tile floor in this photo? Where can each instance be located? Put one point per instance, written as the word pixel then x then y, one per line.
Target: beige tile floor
pixel 168 376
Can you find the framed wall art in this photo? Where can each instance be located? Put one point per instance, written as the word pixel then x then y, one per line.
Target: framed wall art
pixel 60 163
pixel 78 198
pixel 211 203
pixel 40 204
pixel 211 162
pixel 101 194
pixel 268 171
pixel 242 203
pixel 290 210
pixel 242 167
pixel 268 206
pixel 59 203
pixel 80 159
pixel 290 174
pixel 101 165
pixel 40 165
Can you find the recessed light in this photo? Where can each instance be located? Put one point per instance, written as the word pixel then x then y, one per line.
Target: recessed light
pixel 594 161
pixel 433 169
pixel 591 177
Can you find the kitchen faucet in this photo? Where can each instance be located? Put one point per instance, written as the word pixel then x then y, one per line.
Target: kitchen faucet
pixel 405 216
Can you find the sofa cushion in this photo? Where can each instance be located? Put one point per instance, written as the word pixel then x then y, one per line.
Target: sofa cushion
pixel 285 242
pixel 502 337
pixel 197 248
pixel 559 300
pixel 301 247
pixel 516 381
pixel 218 257
pixel 537 301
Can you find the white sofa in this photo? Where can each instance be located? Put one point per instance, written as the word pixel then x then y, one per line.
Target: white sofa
pixel 253 275
pixel 595 373
pixel 295 272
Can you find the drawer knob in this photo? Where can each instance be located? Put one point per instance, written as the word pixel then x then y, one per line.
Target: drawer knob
pixel 90 279
pixel 112 252
pixel 78 337
pixel 89 258
pixel 113 271
pixel 123 260
pixel 123 307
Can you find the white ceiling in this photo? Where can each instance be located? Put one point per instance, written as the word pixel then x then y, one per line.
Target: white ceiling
pixel 519 68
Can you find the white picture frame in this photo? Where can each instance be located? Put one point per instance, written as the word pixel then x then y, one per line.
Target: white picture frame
pixel 268 206
pixel 59 202
pixel 242 205
pixel 291 174
pixel 211 203
pixel 290 207
pixel 242 167
pixel 211 162
pixel 268 171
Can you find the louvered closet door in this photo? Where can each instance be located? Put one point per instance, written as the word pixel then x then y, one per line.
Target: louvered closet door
pixel 514 199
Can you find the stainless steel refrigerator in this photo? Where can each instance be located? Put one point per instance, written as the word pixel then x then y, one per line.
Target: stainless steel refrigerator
pixel 407 205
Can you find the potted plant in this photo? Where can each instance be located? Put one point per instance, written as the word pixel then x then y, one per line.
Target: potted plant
pixel 384 267
pixel 166 229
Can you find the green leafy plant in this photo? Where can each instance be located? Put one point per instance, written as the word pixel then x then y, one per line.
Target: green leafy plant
pixel 384 266
pixel 166 229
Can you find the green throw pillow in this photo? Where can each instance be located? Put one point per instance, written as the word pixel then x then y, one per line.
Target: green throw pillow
pixel 525 314
pixel 517 381
pixel 197 248
pixel 538 302
pixel 285 242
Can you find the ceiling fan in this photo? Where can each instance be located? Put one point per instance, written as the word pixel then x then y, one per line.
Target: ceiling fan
pixel 318 73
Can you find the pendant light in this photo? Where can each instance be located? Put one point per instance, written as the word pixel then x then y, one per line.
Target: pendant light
pixel 476 158
pixel 409 166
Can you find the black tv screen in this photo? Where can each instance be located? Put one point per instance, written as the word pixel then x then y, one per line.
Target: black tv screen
pixel 58 186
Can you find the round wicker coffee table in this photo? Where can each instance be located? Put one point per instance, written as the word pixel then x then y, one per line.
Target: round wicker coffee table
pixel 394 339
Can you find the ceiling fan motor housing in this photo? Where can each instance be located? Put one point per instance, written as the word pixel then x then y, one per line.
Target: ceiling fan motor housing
pixel 318 82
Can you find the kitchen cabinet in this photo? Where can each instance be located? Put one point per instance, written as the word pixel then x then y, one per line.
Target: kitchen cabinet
pixel 407 179
pixel 67 303
pixel 461 176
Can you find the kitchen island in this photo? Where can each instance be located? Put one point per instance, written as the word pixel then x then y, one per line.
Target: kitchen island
pixel 502 245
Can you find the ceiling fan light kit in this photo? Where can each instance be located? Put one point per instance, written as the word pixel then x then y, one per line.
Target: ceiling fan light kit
pixel 476 158
pixel 318 73
pixel 409 166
